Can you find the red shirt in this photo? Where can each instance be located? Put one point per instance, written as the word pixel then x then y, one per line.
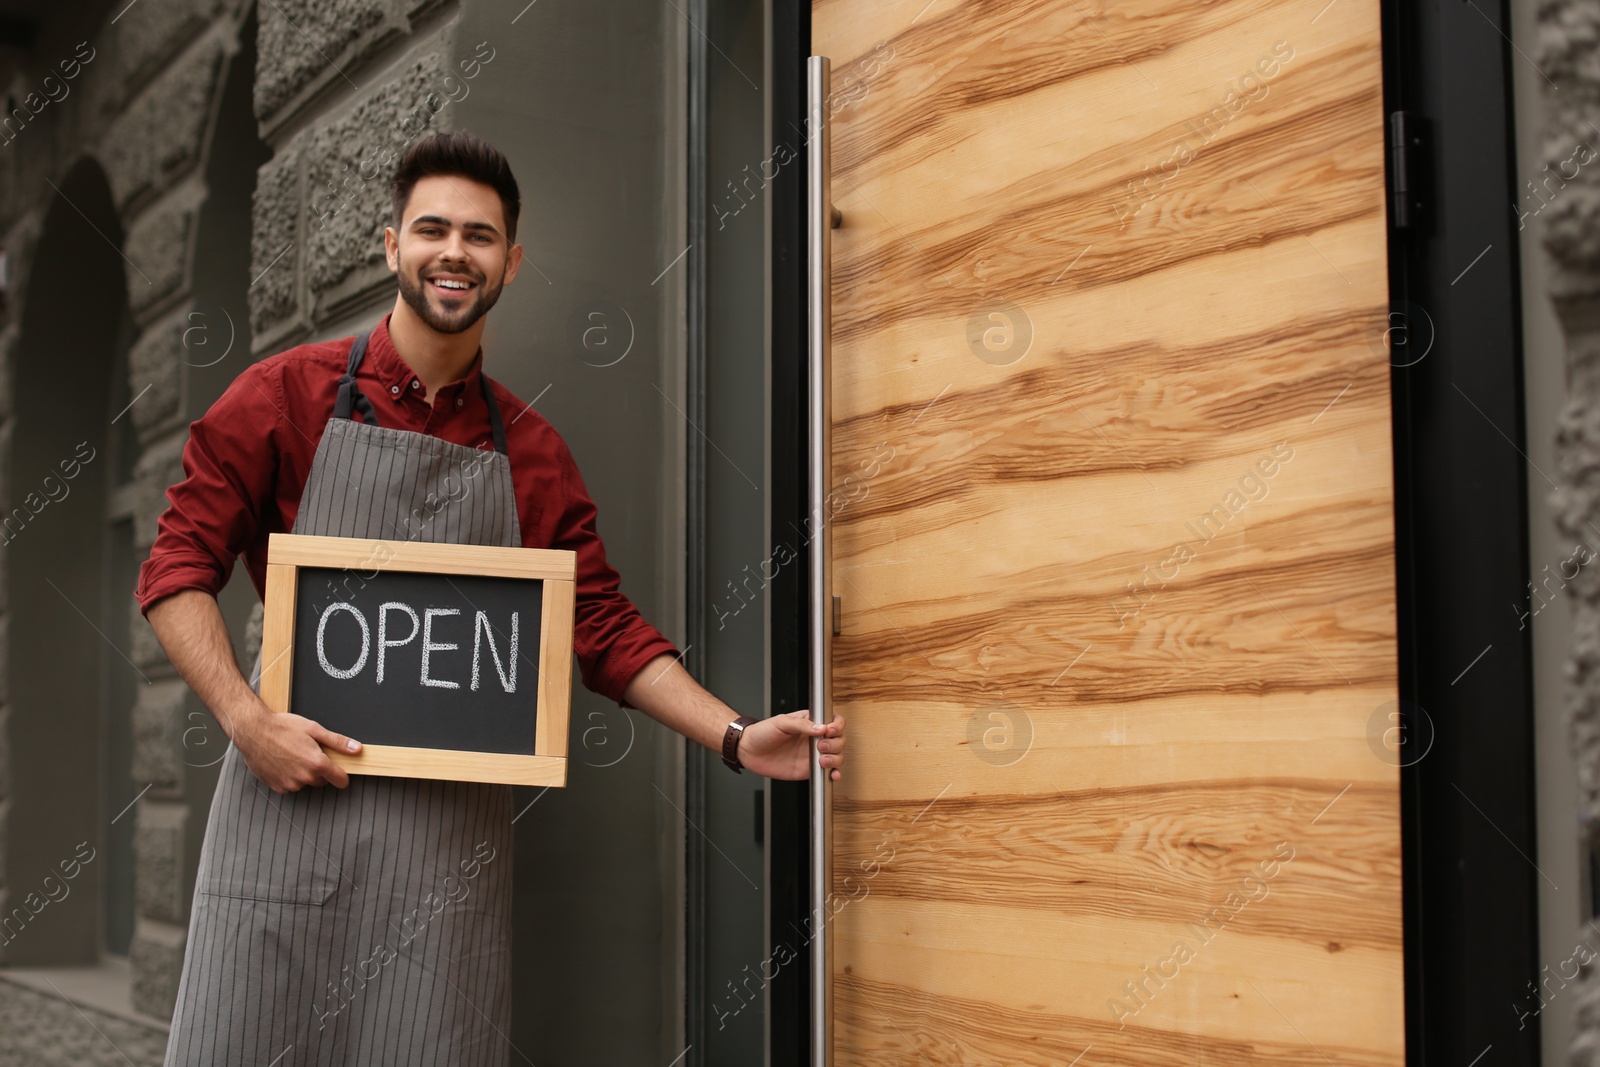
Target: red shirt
pixel 247 460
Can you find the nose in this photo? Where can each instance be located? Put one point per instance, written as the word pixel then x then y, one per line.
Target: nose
pixel 455 248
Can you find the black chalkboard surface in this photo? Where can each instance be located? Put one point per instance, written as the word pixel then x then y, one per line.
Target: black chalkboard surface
pixel 419 660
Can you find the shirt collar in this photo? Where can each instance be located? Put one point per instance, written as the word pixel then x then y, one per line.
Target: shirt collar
pixel 393 371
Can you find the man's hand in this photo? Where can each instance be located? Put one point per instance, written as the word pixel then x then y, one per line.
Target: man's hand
pixel 286 751
pixel 780 747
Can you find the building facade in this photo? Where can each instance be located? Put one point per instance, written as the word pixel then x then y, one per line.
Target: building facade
pixel 190 185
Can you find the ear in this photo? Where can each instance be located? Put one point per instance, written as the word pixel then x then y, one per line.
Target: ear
pixel 391 249
pixel 513 263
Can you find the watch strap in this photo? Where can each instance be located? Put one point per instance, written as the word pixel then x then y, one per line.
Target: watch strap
pixel 730 742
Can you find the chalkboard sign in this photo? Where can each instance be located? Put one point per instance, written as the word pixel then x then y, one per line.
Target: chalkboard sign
pixel 445 661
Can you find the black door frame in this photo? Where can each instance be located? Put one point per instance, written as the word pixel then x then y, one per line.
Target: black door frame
pixel 1461 523
pixel 1467 806
pixel 789 803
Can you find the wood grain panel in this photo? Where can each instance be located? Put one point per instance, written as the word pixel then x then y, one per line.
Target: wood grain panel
pixel 914 751
pixel 965 955
pixel 903 1025
pixel 1133 852
pixel 1119 604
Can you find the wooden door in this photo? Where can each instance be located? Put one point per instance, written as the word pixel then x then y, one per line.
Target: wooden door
pixel 1113 535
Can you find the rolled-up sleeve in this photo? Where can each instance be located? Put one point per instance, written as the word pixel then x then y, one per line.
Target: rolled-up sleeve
pixel 230 464
pixel 611 638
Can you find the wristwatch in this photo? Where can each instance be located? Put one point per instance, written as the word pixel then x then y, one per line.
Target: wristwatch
pixel 730 742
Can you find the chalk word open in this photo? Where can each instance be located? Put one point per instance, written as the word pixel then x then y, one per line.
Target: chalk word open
pixel 392 612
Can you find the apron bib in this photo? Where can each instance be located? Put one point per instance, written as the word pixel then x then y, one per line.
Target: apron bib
pixel 372 924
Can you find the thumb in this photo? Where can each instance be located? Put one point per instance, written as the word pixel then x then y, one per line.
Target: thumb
pixel 796 723
pixel 338 742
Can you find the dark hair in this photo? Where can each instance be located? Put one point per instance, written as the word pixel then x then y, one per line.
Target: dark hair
pixel 456 153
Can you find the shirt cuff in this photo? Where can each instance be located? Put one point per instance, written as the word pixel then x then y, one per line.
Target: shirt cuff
pixel 174 578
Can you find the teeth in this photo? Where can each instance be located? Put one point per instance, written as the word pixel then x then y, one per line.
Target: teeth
pixel 447 284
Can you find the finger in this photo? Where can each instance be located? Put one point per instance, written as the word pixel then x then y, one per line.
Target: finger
pixel 333 774
pixel 338 742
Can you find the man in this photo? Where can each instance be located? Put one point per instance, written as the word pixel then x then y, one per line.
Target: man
pixel 366 919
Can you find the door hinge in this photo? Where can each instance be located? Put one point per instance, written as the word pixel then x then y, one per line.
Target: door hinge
pixel 1408 146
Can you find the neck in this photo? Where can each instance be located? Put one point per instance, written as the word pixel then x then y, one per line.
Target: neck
pixel 436 358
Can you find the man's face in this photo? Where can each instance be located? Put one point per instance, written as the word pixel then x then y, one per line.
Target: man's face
pixel 450 254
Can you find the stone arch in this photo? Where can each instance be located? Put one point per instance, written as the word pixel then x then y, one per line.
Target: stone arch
pixel 73 331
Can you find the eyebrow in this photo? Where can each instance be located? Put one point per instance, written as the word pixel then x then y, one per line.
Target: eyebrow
pixel 439 220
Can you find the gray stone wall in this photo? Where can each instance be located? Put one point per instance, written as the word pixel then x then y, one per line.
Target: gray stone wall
pixel 1569 43
pixel 342 86
pixel 144 109
pixel 171 62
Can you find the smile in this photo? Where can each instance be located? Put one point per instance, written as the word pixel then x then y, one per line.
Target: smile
pixel 451 285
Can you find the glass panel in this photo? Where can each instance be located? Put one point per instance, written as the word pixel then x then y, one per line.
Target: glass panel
pixel 738 553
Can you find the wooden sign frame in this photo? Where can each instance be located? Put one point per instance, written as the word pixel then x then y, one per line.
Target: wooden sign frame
pixel 556 568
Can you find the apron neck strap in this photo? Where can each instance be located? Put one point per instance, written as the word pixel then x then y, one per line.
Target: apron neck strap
pixel 496 426
pixel 351 398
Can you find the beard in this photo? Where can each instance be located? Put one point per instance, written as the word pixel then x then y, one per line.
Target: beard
pixel 448 315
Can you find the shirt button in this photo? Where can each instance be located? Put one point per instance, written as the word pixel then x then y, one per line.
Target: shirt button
pixel 415 384
pixel 394 389
pixel 461 401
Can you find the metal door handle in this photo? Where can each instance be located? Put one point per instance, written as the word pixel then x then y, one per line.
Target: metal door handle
pixel 820 220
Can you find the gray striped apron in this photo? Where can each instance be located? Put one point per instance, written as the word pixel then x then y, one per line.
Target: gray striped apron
pixel 372 924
